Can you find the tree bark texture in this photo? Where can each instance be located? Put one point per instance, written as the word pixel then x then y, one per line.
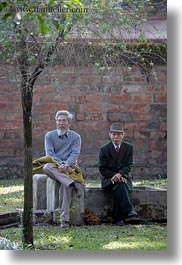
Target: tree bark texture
pixel 28 183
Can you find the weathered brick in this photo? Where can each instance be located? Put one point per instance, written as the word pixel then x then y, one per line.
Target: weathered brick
pixel 139 79
pixel 133 88
pixel 10 125
pixel 163 135
pixel 154 134
pixel 154 145
pixel 159 111
pixel 2 116
pixel 44 88
pixel 85 79
pixel 119 98
pixel 113 107
pixel 136 107
pixel 160 98
pixel 95 100
pixel 159 89
pixel 141 135
pixel 3 97
pixel 145 116
pixel 6 107
pixel 5 143
pixel 6 87
pixel 135 125
pixel 81 98
pixel 144 98
pixel 14 116
pixel 80 116
pixel 90 108
pixel 163 126
pixel 94 116
pixel 149 88
pixel 153 125
pixel 13 97
pixel 41 116
pixel 49 108
pixel 119 117
pixel 89 125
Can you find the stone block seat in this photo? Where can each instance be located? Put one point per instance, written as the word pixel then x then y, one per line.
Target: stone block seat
pixel 47 198
pixel 149 202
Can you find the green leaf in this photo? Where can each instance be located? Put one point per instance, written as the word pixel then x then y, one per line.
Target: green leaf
pixel 51 2
pixel 43 26
pixel 2 5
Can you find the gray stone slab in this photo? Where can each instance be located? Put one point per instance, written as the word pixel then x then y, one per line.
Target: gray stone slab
pixel 47 199
pixel 52 193
pixel 39 191
pixel 150 203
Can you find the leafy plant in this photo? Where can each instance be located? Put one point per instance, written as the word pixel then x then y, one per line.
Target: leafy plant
pixel 7 244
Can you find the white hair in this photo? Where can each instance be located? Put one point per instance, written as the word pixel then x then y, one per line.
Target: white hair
pixel 64 112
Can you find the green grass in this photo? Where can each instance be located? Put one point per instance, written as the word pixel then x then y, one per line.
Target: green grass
pixel 104 237
pixel 159 182
pixel 11 195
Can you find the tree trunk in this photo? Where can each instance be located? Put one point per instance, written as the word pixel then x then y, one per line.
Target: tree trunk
pixel 27 85
pixel 28 183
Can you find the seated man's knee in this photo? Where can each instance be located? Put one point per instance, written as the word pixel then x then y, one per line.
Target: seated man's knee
pixel 48 167
pixel 119 186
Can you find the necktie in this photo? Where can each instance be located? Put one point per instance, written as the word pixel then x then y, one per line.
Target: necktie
pixel 117 150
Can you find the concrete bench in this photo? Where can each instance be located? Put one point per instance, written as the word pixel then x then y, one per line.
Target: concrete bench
pixel 149 202
pixel 47 197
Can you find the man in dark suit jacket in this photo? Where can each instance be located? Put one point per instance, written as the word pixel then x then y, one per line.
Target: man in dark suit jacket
pixel 115 162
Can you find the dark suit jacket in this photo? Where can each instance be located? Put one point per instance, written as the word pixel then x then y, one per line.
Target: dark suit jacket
pixel 110 164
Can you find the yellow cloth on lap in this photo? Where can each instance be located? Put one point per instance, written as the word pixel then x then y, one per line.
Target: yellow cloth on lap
pixel 39 163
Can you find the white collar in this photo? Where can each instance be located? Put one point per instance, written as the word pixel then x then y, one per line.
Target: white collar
pixel 116 145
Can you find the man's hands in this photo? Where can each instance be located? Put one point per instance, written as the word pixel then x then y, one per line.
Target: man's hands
pixel 118 178
pixel 64 168
pixel 70 170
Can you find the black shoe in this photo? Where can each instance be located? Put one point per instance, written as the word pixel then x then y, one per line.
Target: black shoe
pixel 120 223
pixel 131 214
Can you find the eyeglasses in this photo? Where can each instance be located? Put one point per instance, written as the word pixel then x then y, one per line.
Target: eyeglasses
pixel 60 120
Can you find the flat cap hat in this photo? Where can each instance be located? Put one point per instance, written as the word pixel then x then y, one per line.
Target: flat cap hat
pixel 116 127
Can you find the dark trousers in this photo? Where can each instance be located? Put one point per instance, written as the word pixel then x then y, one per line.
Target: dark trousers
pixel 121 201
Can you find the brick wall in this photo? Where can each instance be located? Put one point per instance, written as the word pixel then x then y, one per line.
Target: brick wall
pixel 96 98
